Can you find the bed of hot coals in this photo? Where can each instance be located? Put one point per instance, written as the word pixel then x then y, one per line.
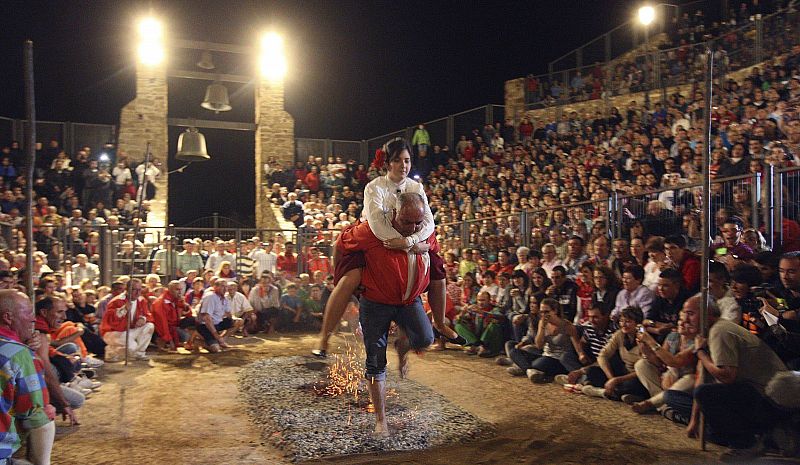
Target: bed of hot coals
pixel 312 409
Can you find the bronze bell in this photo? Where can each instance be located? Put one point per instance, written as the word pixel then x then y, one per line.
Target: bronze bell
pixel 192 146
pixel 216 98
pixel 205 61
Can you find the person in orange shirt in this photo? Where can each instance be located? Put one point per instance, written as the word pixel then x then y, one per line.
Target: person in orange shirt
pixel 318 262
pixel 123 312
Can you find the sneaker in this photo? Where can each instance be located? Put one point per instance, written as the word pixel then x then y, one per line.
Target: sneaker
pixel 561 379
pixel 592 391
pixel 113 358
pixel 142 356
pixel 92 362
pixel 515 371
pixel 630 399
pixel 536 376
pixel 503 361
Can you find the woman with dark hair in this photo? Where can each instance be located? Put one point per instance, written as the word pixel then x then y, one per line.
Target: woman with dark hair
pixel 380 200
pixel 606 289
pixel 539 283
pixel 469 288
pixel 558 341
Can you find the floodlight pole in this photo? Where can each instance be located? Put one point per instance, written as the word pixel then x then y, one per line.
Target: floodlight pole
pixel 705 224
pixel 142 190
pixel 30 149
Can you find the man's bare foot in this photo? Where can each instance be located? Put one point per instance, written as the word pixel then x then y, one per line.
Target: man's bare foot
pixel 381 430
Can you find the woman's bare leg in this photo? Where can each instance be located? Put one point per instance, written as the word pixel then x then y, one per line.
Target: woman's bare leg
pixel 337 304
pixel 437 297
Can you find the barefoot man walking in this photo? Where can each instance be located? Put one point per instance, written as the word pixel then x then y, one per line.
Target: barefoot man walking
pixel 393 281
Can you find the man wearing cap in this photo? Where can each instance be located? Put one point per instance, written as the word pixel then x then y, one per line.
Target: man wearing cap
pixel 393 281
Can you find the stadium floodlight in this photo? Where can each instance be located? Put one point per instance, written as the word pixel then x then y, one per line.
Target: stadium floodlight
pixel 151 47
pixel 646 15
pixel 272 60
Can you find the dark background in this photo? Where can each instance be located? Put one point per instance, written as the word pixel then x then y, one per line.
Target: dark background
pixel 357 69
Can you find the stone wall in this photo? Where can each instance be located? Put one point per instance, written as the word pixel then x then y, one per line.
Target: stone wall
pixel 143 120
pixel 274 139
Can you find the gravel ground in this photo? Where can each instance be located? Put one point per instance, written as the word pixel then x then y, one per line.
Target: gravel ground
pixel 283 403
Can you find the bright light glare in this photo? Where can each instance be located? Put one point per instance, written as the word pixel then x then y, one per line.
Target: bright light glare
pixel 150 29
pixel 272 61
pixel 151 53
pixel 151 47
pixel 646 15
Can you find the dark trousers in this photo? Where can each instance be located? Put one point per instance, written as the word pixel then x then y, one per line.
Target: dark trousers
pixel 548 365
pixel 94 343
pixel 64 367
pixel 375 320
pixel 736 412
pixel 221 326
pixel 597 378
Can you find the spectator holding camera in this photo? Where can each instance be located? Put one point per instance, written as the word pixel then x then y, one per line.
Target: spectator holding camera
pixel 732 249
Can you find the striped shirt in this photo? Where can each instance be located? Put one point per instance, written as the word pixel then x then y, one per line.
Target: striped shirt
pixel 22 390
pixel 595 341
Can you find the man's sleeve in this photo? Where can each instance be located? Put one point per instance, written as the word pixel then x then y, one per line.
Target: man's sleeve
pixel 359 238
pixel 722 347
pixel 203 305
pixel 29 393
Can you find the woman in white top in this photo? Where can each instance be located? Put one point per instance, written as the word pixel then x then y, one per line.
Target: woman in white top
pixel 380 199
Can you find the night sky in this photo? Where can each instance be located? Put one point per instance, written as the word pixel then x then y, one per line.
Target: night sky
pixel 356 69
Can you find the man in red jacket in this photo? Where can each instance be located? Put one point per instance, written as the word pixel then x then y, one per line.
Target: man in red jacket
pixel 393 281
pixel 168 311
pixel 127 311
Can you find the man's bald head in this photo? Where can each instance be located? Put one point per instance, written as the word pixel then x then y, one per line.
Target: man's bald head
pixel 410 213
pixel 16 313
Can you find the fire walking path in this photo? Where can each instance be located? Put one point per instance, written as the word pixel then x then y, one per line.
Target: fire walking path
pixel 185 409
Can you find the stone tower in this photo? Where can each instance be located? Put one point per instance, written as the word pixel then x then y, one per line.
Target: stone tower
pixel 143 120
pixel 274 139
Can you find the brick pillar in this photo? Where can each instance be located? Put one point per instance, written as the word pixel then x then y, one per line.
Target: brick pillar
pixel 515 99
pixel 274 138
pixel 143 120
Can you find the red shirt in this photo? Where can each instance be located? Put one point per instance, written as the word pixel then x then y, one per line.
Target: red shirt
pixel 114 322
pixel 167 312
pixel 386 275
pixel 690 269
pixel 320 263
pixel 287 263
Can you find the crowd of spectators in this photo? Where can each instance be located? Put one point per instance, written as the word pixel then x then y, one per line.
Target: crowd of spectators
pixel 679 58
pixel 600 301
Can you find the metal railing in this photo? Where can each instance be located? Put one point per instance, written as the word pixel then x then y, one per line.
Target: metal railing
pixel 71 137
pixel 444 132
pixel 759 39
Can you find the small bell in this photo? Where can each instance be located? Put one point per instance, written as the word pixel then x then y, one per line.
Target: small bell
pixel 216 98
pixel 205 61
pixel 192 146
